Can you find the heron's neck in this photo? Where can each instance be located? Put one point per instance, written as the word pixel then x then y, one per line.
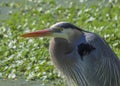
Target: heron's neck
pixel 60 46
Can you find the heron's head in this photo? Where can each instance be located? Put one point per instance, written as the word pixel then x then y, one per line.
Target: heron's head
pixel 59 30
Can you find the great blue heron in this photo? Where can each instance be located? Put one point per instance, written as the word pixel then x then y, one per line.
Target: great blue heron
pixel 83 57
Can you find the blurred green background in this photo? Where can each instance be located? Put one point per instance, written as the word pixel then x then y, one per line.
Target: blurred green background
pixel 29 58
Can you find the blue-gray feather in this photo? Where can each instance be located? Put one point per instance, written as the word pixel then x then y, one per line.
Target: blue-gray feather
pixel 99 65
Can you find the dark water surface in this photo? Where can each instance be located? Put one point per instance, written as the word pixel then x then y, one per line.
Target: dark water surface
pixel 21 83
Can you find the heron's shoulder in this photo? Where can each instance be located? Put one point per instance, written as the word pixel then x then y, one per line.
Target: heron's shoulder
pixel 90 36
pixel 95 39
pixel 87 44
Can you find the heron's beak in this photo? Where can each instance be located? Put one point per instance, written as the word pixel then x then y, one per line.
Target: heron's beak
pixel 39 33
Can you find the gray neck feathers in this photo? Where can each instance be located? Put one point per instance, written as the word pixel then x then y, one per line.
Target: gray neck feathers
pixel 59 48
pixel 99 68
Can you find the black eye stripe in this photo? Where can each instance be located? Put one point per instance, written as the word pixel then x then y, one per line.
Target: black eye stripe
pixel 67 26
pixel 58 29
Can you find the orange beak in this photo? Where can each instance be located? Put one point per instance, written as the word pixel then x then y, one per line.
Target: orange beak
pixel 39 33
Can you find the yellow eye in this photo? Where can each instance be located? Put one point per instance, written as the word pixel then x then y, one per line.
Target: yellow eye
pixel 58 30
pixel 61 29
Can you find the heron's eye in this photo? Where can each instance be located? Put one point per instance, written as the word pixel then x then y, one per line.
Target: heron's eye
pixel 58 30
pixel 61 29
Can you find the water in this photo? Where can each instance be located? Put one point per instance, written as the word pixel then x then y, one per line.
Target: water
pixel 21 82
pixel 79 3
pixel 10 6
pixel 6 10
